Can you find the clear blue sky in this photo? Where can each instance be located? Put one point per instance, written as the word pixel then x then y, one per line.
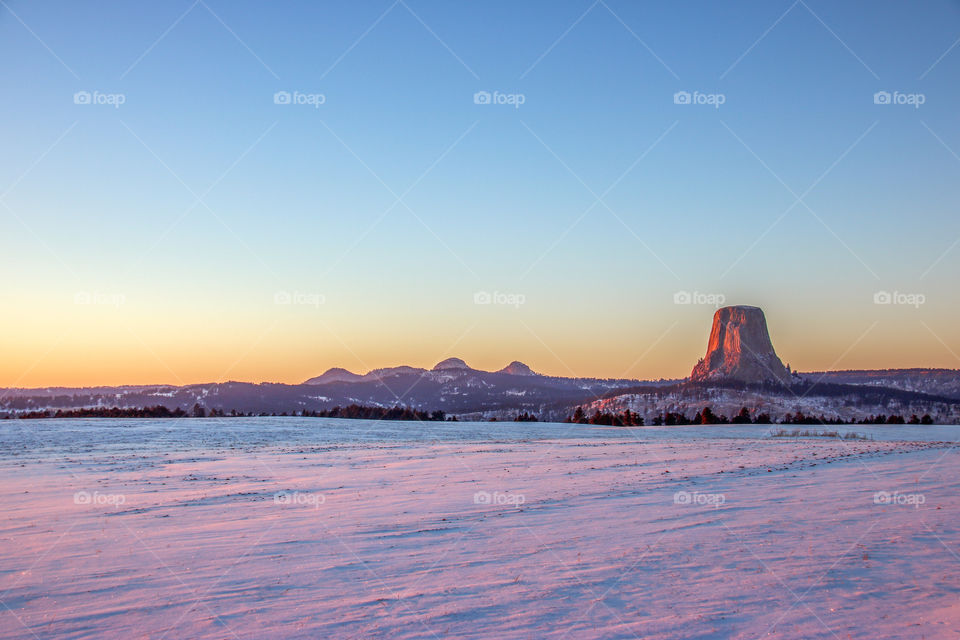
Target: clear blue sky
pixel 103 201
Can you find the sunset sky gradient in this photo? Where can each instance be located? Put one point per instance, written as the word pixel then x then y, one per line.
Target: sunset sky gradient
pixel 157 242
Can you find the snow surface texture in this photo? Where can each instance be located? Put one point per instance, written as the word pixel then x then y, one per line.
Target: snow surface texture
pixel 113 532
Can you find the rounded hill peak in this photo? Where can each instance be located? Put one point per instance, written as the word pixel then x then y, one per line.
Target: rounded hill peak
pixel 450 363
pixel 517 368
pixel 335 374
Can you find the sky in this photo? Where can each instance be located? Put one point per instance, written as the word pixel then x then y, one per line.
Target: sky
pixel 210 190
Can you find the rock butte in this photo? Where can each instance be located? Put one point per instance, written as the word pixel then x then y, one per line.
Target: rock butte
pixel 740 349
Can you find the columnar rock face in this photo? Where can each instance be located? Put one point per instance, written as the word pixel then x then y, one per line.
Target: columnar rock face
pixel 740 349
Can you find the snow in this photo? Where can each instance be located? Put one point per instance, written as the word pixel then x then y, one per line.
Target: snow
pixel 253 528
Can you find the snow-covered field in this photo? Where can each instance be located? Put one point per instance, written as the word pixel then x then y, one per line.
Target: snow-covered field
pixel 326 529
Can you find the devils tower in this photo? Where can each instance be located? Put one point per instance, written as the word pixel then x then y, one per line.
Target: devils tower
pixel 740 349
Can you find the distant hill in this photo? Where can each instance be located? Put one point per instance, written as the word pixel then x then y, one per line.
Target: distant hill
pixel 740 369
pixel 335 374
pixel 451 386
pixel 943 382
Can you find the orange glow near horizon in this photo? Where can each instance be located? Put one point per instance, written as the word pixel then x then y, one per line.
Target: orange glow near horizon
pixel 259 349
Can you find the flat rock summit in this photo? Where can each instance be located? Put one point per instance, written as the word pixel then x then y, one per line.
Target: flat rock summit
pixel 740 349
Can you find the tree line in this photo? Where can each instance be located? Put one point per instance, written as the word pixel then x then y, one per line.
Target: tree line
pixel 626 418
pixel 706 416
pixel 158 411
pixel 354 411
pixel 361 412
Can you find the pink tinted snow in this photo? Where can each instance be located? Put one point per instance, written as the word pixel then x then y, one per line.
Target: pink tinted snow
pixel 790 538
